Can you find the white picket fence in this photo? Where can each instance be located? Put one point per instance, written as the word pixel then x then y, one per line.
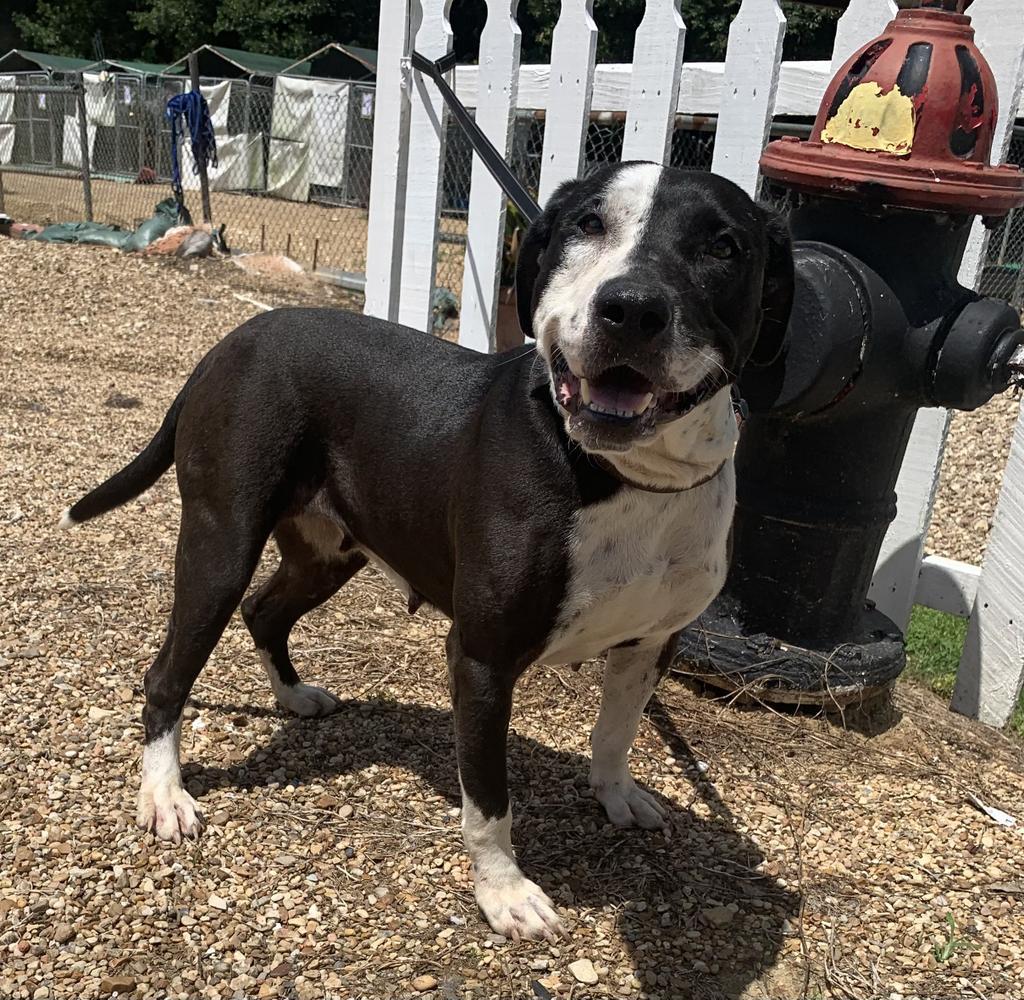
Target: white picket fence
pixel 745 91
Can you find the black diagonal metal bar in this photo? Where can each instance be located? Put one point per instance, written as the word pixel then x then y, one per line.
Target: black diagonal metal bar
pixel 490 157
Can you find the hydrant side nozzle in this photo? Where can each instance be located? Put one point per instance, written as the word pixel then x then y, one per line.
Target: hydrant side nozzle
pixel 973 361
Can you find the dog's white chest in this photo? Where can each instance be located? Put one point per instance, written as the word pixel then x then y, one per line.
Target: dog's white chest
pixel 642 564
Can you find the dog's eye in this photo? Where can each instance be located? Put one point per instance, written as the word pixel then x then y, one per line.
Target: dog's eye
pixel 591 225
pixel 723 247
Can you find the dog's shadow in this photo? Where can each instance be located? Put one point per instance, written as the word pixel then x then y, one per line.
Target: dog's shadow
pixel 696 916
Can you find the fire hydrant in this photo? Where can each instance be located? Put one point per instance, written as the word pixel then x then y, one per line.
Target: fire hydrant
pixel 883 195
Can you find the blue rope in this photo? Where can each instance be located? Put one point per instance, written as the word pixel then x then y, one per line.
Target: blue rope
pixel 190 111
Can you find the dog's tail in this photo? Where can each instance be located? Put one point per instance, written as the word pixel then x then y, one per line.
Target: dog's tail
pixel 138 475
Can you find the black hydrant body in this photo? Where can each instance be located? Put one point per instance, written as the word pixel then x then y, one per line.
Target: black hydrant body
pixel 880 328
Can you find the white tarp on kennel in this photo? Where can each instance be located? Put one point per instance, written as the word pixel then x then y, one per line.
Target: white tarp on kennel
pixel 99 98
pixel 330 121
pixel 7 100
pixel 314 112
pixel 288 170
pixel 239 164
pixel 292 116
pixel 6 142
pixel 71 149
pixel 218 100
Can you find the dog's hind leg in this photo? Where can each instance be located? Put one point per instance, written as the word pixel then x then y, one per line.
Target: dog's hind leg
pixel 214 564
pixel 308 575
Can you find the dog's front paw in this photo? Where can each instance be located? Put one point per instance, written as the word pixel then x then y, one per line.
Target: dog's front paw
pixel 170 813
pixel 519 909
pixel 627 804
pixel 307 700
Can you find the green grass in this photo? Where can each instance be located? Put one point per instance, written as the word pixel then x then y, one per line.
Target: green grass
pixel 947 949
pixel 934 643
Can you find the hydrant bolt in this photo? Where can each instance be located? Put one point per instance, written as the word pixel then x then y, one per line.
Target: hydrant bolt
pixel 1016 368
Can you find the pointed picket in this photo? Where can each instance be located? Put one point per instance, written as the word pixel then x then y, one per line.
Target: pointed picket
pixel 388 169
pixel 495 114
pixel 751 79
pixel 999 30
pixel 991 670
pixel 573 49
pixel 861 21
pixel 427 125
pixel 654 84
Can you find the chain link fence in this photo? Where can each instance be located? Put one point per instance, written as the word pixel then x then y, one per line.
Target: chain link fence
pixel 294 168
pixel 293 171
pixel 1003 275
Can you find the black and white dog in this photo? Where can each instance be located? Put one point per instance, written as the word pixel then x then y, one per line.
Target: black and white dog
pixel 554 503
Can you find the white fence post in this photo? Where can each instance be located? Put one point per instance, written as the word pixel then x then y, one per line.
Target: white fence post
pixel 385 229
pixel 427 124
pixel 861 21
pixel 999 30
pixel 495 114
pixel 654 83
pixel 992 666
pixel 991 672
pixel 751 79
pixel 573 48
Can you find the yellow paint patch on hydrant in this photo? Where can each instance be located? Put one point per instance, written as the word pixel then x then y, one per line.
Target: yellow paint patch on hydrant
pixel 873 121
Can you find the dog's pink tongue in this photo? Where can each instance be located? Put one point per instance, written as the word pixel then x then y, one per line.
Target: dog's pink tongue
pixel 612 397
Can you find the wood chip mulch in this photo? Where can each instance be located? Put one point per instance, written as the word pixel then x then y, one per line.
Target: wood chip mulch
pixel 808 857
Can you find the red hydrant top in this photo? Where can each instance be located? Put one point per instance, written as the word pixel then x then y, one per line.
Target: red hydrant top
pixel 908 121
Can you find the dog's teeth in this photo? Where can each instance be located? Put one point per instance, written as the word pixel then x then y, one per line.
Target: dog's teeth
pixel 585 391
pixel 648 399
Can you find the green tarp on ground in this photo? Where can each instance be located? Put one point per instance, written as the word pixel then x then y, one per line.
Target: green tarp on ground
pixel 98 234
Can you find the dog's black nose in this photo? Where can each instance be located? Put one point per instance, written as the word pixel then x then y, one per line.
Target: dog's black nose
pixel 624 306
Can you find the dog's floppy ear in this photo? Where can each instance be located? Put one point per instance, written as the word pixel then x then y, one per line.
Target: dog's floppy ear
pixel 776 289
pixel 532 250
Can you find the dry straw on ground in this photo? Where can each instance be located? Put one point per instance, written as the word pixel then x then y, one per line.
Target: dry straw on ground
pixel 805 859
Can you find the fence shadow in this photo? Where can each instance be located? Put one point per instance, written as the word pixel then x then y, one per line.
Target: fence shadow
pixel 659 885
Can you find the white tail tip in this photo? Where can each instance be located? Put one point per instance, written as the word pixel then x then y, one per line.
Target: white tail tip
pixel 66 520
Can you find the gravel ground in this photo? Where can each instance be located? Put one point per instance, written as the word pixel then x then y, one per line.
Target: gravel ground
pixel 975 456
pixel 806 858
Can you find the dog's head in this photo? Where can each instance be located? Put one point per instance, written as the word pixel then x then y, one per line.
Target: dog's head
pixel 648 288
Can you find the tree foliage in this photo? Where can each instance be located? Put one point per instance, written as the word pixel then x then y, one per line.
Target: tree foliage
pixel 168 29
pixel 164 30
pixel 809 32
pixel 67 27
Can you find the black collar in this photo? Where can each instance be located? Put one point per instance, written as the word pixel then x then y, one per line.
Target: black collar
pixel 611 470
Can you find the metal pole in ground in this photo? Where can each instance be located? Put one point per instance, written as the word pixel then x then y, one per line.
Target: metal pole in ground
pixel 1 190
pixel 83 140
pixel 204 182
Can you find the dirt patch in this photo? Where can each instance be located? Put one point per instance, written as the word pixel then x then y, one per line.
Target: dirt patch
pixel 805 859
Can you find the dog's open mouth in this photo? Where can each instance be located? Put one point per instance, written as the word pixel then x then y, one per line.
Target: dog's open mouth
pixel 622 395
